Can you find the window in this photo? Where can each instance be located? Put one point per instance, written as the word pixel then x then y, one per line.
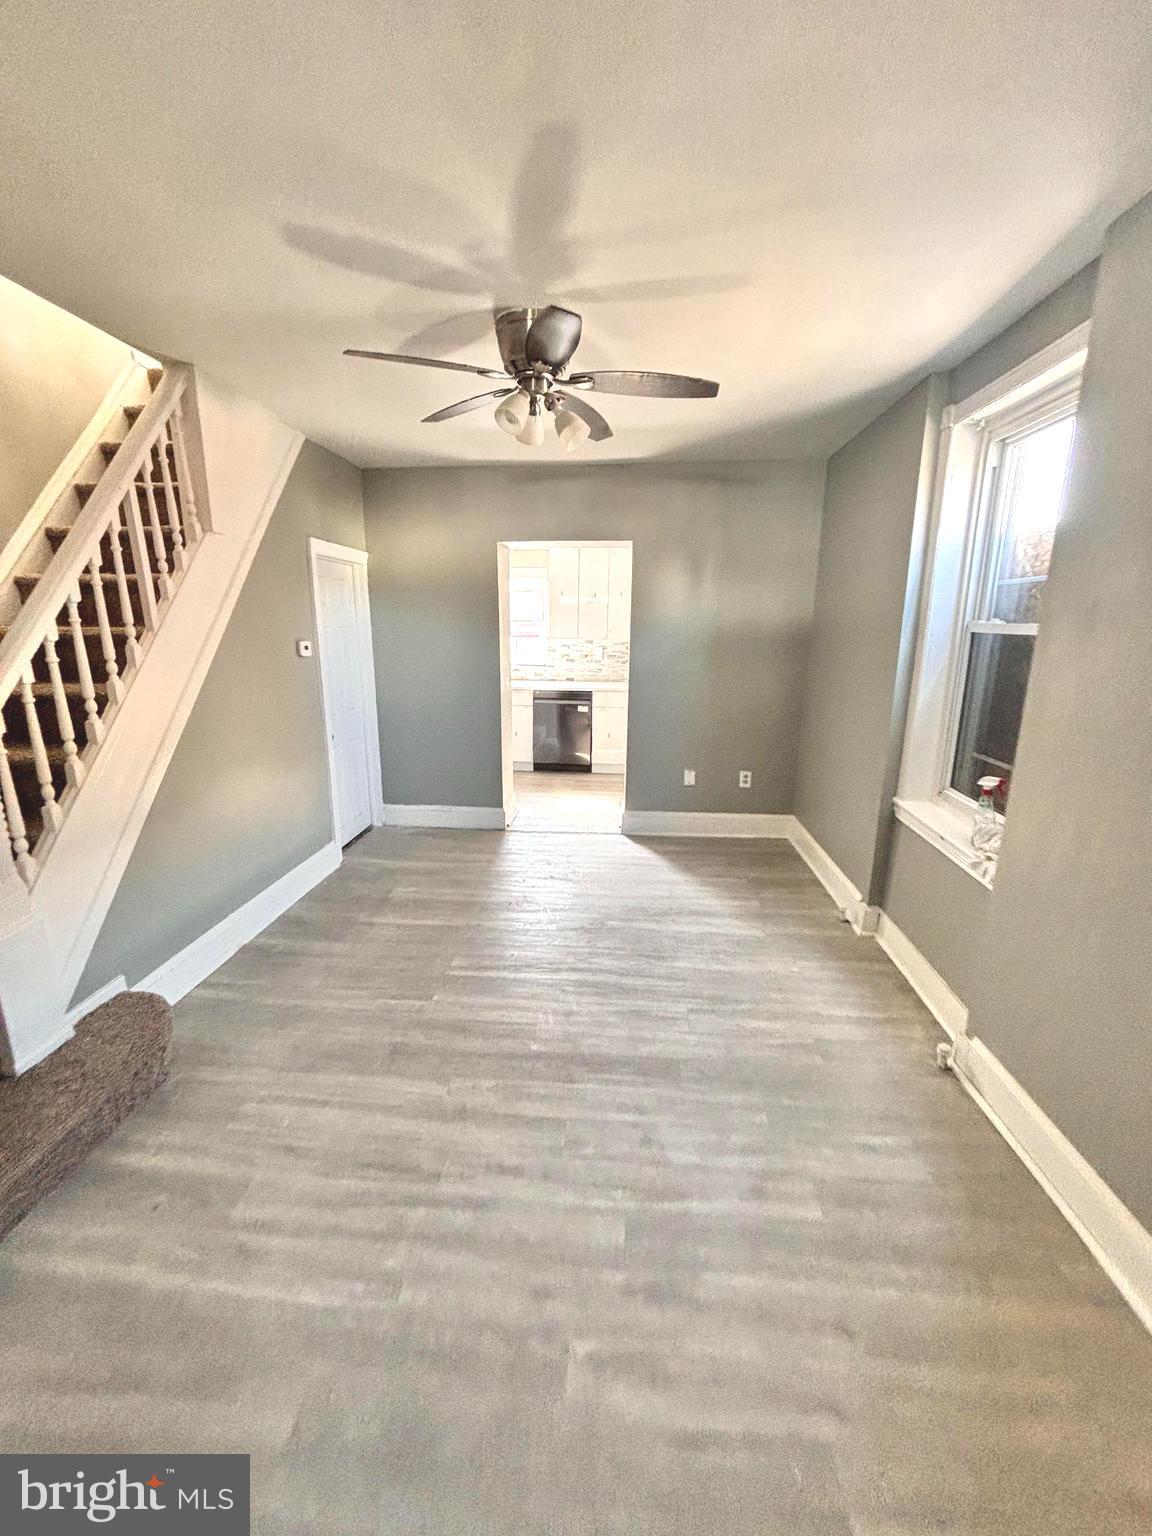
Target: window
pixel 1026 473
pixel 528 616
pixel 1004 461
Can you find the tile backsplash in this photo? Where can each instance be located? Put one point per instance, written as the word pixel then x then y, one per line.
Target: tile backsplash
pixel 575 660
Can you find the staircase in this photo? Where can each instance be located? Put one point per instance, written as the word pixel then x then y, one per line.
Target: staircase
pixel 85 621
pixel 110 615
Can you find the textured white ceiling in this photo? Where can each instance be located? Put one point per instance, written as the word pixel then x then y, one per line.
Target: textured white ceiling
pixel 809 202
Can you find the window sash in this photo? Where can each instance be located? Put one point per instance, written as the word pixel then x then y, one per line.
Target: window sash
pixel 989 527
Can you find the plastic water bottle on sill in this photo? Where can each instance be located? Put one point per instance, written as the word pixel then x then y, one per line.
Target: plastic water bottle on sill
pixel 988 828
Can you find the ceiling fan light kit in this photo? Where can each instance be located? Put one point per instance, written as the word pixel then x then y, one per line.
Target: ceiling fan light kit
pixel 536 346
pixel 512 413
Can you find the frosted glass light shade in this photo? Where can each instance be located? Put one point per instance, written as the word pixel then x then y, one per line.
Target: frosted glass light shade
pixel 512 413
pixel 533 433
pixel 571 429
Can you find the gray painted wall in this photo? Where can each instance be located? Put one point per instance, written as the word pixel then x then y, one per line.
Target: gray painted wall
pixel 245 797
pixel 875 509
pixel 724 566
pixel 54 371
pixel 1063 993
pixel 946 913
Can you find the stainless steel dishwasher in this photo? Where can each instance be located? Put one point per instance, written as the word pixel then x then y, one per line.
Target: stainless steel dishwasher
pixel 562 732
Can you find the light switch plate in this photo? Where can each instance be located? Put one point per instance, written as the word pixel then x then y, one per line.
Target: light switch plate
pixel 303 647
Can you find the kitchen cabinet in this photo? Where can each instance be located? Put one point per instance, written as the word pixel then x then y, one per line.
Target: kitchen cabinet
pixel 522 727
pixel 564 594
pixel 619 594
pixel 594 571
pixel 609 730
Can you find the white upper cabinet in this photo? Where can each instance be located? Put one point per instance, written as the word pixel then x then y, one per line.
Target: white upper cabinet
pixel 594 572
pixel 619 594
pixel 564 594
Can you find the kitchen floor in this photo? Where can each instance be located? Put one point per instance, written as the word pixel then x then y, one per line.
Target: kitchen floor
pixel 568 802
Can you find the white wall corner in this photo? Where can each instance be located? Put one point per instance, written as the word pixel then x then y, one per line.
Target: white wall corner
pixel 196 961
pixel 1112 1234
pixel 853 908
pixel 705 824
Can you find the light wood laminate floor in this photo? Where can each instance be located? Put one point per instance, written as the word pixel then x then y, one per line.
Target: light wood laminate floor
pixel 512 1186
pixel 568 802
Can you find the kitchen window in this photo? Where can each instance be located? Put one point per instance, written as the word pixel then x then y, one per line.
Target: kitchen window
pixel 1004 461
pixel 528 616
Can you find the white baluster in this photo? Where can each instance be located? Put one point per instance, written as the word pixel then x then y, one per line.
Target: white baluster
pixel 140 562
pixel 14 816
pixel 107 644
pixel 163 578
pixel 49 809
pixel 192 525
pixel 127 611
pixel 173 509
pixel 93 725
pixel 73 767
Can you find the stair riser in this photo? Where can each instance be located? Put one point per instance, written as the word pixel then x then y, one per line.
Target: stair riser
pixel 112 604
pixel 56 538
pixel 66 655
pixel 85 490
pixel 18 733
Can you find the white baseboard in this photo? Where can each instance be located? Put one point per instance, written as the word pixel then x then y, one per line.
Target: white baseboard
pixel 103 994
pixel 474 817
pixel 705 824
pixel 1110 1231
pixel 853 908
pixel 934 992
pixel 24 1061
pixel 176 977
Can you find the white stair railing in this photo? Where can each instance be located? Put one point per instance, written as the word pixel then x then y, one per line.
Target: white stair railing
pixel 75 645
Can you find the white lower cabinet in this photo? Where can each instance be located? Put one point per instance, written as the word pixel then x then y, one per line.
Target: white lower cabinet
pixel 521 728
pixel 609 731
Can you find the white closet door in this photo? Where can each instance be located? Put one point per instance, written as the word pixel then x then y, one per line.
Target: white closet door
pixel 341 611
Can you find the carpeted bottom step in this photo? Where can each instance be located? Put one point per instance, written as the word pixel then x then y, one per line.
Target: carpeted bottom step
pixel 52 1117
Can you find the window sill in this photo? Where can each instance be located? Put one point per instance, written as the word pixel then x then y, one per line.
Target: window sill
pixel 949 830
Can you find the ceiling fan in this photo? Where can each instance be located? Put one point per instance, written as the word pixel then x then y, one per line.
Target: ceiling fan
pixel 536 346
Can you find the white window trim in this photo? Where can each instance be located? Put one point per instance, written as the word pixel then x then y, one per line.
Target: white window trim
pixel 1046 386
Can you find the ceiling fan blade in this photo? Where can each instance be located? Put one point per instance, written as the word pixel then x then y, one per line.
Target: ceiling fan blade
pixel 426 362
pixel 587 413
pixel 553 336
pixel 470 405
pixel 664 385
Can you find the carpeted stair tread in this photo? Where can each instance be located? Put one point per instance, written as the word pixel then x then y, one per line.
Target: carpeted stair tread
pixel 52 1116
pixel 26 585
pixel 84 489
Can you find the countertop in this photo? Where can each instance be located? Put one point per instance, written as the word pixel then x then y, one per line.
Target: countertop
pixel 550 684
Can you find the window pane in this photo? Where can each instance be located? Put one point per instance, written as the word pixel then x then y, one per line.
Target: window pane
pixel 1032 475
pixel 994 688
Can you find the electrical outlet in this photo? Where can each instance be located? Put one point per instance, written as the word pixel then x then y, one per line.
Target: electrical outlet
pixel 689 777
pixel 745 778
pixel 304 648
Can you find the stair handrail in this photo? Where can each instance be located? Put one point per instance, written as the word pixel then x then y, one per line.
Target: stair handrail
pixel 37 616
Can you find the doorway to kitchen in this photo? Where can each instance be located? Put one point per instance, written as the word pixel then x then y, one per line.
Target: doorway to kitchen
pixel 566 619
